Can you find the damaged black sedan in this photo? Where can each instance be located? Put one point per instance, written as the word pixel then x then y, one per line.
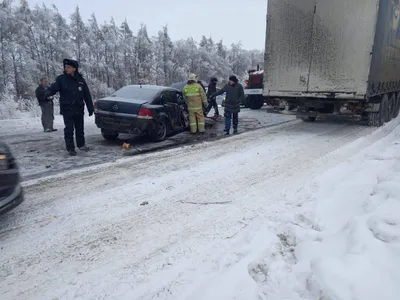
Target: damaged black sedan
pixel 11 192
pixel 150 110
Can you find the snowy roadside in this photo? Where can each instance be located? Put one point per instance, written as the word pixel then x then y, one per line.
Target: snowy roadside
pixel 343 243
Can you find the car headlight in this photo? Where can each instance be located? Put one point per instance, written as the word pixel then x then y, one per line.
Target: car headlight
pixel 4 162
pixel 5 158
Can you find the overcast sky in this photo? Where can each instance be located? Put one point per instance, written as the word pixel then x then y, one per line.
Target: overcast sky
pixel 230 20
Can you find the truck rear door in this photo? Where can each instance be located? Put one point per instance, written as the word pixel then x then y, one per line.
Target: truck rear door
pixel 342 40
pixel 288 45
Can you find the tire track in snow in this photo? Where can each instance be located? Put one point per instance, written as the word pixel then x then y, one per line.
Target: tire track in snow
pixel 135 233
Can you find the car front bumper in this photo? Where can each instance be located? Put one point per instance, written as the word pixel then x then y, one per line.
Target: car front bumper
pixel 11 198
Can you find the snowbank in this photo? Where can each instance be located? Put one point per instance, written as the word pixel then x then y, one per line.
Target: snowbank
pixel 344 243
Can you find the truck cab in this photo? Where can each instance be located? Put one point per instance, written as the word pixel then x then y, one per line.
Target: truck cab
pixel 254 91
pixel 254 88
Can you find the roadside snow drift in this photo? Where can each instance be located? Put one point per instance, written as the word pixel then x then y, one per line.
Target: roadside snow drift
pixel 344 243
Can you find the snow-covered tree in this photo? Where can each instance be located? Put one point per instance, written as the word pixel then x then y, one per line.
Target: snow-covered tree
pixel 35 40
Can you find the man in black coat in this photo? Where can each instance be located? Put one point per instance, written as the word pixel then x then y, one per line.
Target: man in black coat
pixel 74 94
pixel 212 88
pixel 234 96
pixel 202 85
pixel 46 105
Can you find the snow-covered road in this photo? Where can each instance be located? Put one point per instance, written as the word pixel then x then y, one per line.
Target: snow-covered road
pixel 187 223
pixel 40 154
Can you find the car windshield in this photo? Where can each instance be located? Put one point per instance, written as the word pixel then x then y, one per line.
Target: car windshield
pixel 136 93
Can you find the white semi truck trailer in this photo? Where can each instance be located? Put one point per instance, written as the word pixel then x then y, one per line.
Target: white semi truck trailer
pixel 334 57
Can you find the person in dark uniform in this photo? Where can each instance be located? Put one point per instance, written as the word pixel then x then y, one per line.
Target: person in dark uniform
pixel 46 105
pixel 212 88
pixel 74 94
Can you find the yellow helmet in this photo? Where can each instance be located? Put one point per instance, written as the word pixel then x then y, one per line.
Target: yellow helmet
pixel 193 77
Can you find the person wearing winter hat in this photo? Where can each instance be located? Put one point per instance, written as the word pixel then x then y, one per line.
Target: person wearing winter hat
pixel 74 94
pixel 234 96
pixel 212 88
pixel 46 106
pixel 195 98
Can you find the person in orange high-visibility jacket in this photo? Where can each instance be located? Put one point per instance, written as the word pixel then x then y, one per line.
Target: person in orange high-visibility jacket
pixel 195 99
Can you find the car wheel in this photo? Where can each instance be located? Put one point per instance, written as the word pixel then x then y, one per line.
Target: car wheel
pixel 110 137
pixel 160 131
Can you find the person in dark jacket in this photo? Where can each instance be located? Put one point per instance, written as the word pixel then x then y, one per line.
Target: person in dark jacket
pixel 74 94
pixel 234 96
pixel 46 105
pixel 212 88
pixel 202 85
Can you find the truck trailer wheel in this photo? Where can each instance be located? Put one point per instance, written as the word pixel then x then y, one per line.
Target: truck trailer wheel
pixel 377 119
pixel 396 107
pixel 255 101
pixel 309 119
pixel 389 108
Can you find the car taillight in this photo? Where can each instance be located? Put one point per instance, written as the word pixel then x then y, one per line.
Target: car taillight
pixel 145 113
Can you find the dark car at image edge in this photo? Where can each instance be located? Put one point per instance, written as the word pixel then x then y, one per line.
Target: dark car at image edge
pixel 155 111
pixel 11 191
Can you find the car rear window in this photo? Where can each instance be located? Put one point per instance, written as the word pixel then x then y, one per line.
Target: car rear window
pixel 136 93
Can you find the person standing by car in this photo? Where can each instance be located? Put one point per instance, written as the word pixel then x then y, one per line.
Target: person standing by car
pixel 195 99
pixel 234 96
pixel 202 85
pixel 74 94
pixel 46 105
pixel 212 88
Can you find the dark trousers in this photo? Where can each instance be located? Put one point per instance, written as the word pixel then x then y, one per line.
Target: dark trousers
pixel 212 103
pixel 228 119
pixel 47 114
pixel 73 122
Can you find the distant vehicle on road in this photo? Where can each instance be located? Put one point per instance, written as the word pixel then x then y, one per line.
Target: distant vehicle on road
pixel 156 111
pixel 11 192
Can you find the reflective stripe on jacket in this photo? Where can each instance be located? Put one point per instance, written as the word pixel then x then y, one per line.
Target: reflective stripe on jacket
pixel 195 96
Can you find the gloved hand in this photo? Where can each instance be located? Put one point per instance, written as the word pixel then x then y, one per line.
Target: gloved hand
pixel 90 113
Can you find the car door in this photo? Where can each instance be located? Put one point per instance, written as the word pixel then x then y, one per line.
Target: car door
pixel 183 111
pixel 170 103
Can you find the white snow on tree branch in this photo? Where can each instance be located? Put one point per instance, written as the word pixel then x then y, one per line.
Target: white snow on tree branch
pixel 35 40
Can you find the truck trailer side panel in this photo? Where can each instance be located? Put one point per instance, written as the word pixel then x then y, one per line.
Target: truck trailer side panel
pixel 343 37
pixel 385 65
pixel 288 44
